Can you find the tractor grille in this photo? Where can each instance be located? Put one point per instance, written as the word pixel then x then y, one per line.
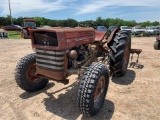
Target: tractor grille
pixel 45 38
pixel 53 60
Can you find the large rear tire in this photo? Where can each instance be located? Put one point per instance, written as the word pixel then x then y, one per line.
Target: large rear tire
pixel 119 53
pixel 93 89
pixel 157 45
pixel 26 76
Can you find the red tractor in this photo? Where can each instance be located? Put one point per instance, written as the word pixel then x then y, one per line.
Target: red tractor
pixel 157 43
pixel 61 52
pixel 28 24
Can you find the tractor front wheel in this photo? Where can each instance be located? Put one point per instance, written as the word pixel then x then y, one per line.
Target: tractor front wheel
pixel 26 76
pixel 93 89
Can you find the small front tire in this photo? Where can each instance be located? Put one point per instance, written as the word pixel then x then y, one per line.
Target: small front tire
pixel 26 77
pixel 93 89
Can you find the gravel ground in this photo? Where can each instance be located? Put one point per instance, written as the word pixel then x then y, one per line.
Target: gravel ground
pixel 132 97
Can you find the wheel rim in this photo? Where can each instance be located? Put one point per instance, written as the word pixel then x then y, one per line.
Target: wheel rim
pixel 126 57
pixel 99 90
pixel 31 73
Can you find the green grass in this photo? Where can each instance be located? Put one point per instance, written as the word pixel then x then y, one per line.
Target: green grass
pixel 14 34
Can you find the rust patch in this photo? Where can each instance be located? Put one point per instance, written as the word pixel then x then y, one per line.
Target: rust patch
pixel 100 35
pixel 137 51
pixel 51 74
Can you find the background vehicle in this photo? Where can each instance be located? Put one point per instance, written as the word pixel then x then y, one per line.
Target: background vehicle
pixel 101 28
pixel 46 26
pixel 157 43
pixel 126 28
pixel 61 52
pixel 28 24
pixel 111 28
pixel 136 31
pixel 152 31
pixel 13 28
pixel 157 27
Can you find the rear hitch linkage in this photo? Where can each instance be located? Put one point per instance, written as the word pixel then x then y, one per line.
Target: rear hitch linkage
pixel 136 51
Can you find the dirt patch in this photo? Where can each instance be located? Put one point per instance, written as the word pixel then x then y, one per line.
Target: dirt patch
pixel 132 97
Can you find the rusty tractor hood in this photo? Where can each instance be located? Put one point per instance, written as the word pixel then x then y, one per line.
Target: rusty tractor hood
pixel 61 38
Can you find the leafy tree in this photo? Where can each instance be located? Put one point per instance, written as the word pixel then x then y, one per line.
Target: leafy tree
pixel 155 23
pixel 18 21
pixel 144 24
pixel 61 23
pixel 41 21
pixel 3 22
pixel 53 23
pixel 71 23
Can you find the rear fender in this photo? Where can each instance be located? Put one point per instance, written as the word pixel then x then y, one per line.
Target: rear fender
pixel 112 35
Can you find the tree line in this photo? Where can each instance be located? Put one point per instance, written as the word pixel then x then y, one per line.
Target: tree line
pixel 41 21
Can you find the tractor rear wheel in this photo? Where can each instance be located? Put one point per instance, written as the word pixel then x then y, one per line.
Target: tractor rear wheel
pixel 93 89
pixel 157 45
pixel 26 76
pixel 119 53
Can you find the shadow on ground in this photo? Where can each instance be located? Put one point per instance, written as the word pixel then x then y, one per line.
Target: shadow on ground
pixel 65 106
pixel 125 80
pixel 26 95
pixel 136 65
pixel 106 112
